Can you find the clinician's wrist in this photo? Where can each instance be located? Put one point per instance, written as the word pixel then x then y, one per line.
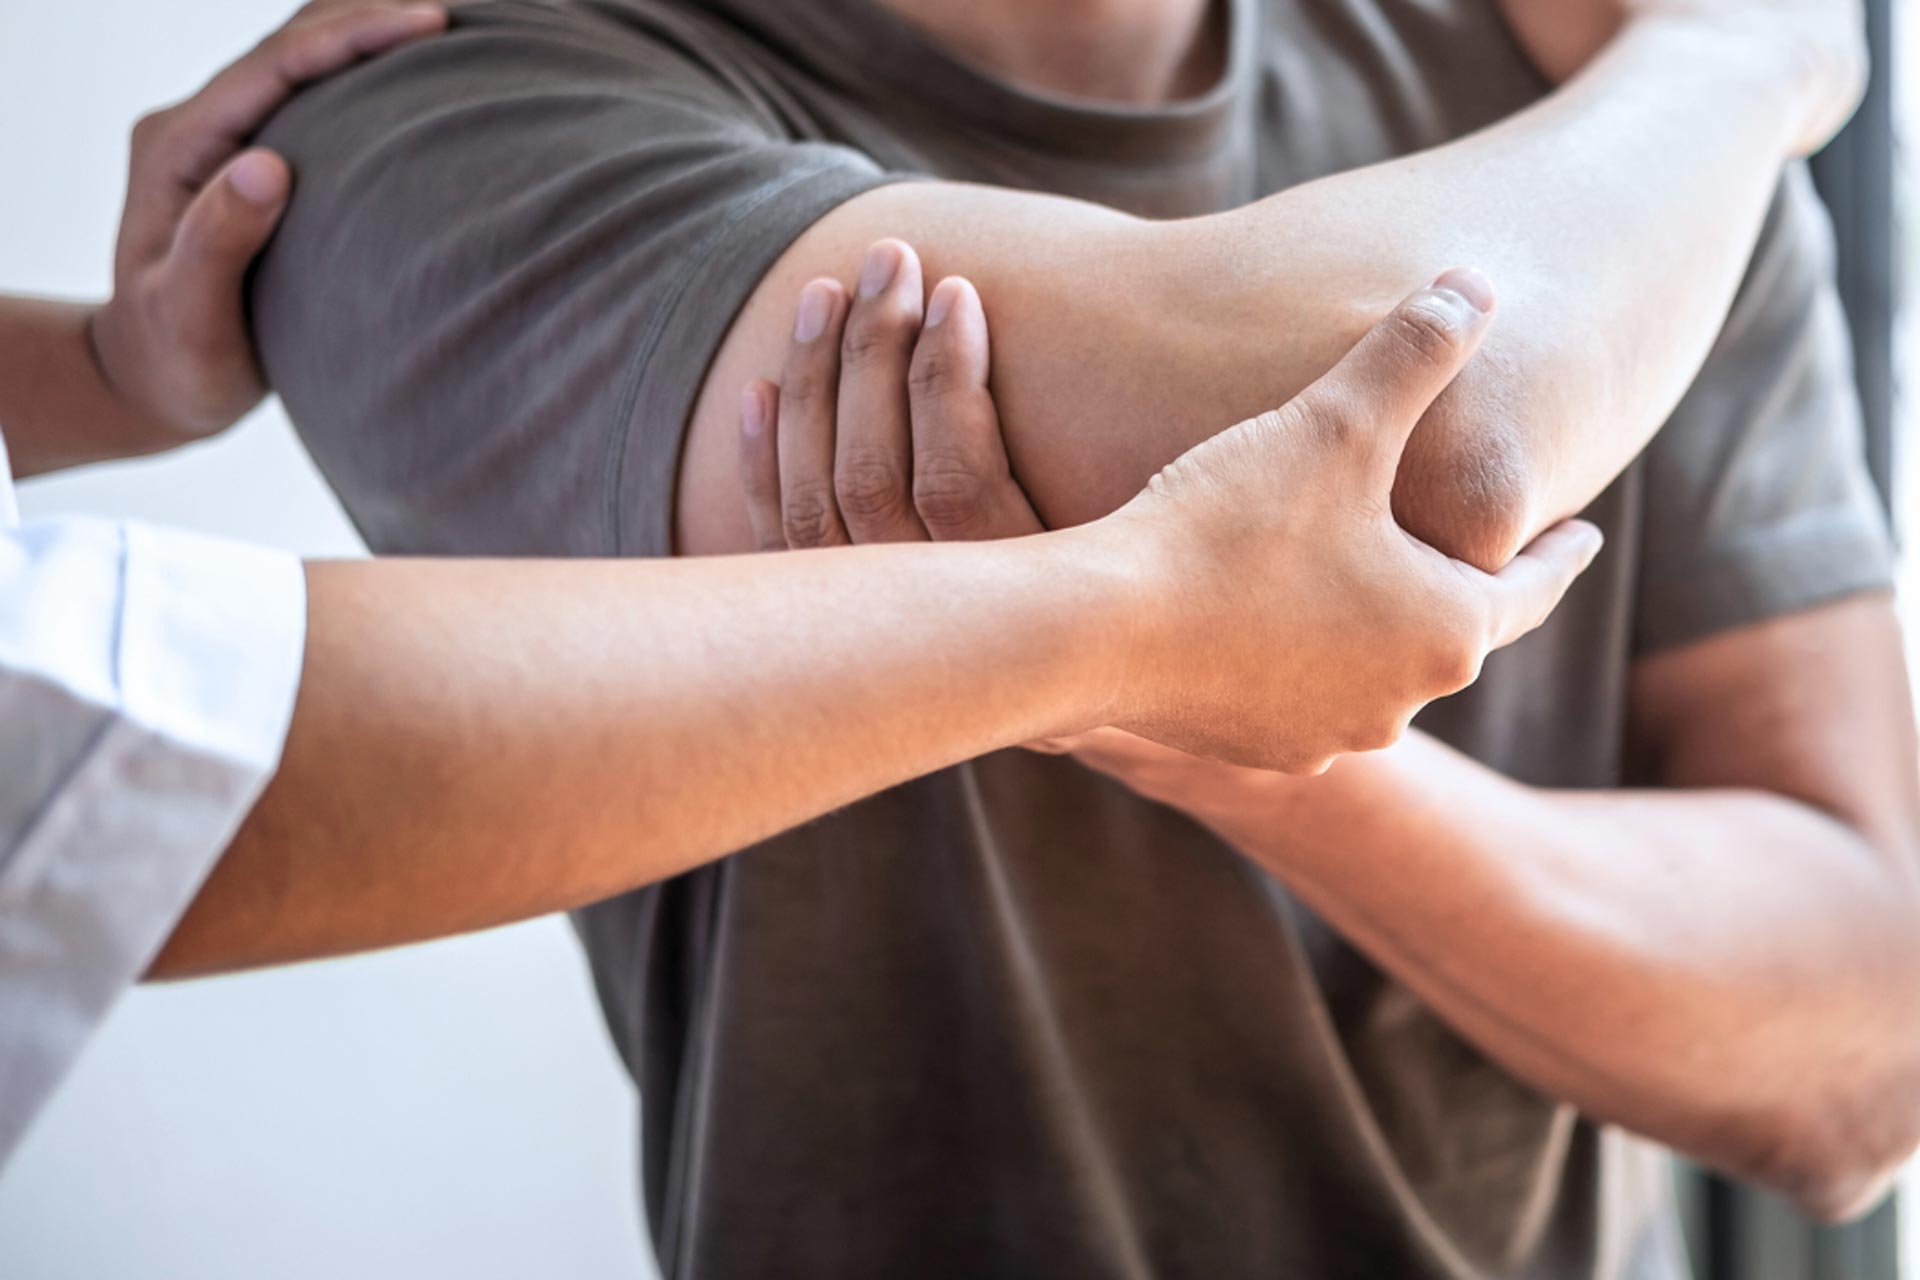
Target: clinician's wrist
pixel 127 423
pixel 57 407
pixel 1118 610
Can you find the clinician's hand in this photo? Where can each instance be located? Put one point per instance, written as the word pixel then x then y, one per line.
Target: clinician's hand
pixel 173 344
pixel 881 428
pixel 1281 579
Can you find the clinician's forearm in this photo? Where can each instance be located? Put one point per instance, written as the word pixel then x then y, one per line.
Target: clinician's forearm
pixel 56 408
pixel 1730 972
pixel 480 742
pixel 1119 343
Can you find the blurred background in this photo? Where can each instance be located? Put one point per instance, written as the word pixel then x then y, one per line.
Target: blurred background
pixel 455 1109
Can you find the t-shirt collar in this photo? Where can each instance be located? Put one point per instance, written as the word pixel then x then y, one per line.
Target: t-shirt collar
pixel 870 51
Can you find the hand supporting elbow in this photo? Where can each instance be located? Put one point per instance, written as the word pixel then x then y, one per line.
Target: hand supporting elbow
pixel 1469 483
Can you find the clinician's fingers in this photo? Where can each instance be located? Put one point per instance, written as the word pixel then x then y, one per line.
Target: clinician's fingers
pixel 873 448
pixel 1526 591
pixel 204 130
pixel 1374 397
pixel 219 235
pixel 1498 609
pixel 963 487
pixel 809 392
pixel 760 463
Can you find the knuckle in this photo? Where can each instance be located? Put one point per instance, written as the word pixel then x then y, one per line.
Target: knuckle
pixel 188 331
pixel 870 487
pixel 149 127
pixel 1373 726
pixel 936 372
pixel 1332 420
pixel 805 384
pixel 1306 764
pixel 1376 735
pixel 949 492
pixel 1454 663
pixel 274 47
pixel 876 332
pixel 808 516
pixel 759 481
pixel 1427 330
pixel 151 138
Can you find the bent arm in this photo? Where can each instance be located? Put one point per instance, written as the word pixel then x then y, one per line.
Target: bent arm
pixel 476 742
pixel 1731 967
pixel 1121 342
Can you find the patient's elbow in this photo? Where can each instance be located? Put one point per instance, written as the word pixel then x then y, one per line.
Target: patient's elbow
pixel 1467 488
pixel 1842 1199
pixel 1834 1185
pixel 1835 1158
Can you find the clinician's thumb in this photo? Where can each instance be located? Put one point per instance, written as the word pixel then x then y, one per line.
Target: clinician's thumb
pixel 224 229
pixel 1382 387
pixel 1532 584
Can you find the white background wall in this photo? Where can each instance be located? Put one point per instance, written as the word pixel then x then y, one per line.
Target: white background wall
pixel 451 1110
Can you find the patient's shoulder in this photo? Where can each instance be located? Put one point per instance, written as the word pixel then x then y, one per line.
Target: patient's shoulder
pixel 510 244
pixel 514 65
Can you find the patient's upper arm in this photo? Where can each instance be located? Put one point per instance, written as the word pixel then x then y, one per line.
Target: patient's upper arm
pixel 527 260
pixel 511 255
pixel 494 308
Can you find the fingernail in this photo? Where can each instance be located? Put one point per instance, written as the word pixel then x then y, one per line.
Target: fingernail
pixel 816 304
pixel 877 272
pixel 1470 285
pixel 1595 540
pixel 942 302
pixel 753 413
pixel 258 179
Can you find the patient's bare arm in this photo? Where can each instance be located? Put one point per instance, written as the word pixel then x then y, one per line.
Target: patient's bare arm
pixel 1618 215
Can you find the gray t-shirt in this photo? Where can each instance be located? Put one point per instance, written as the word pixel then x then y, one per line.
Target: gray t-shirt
pixel 1009 1019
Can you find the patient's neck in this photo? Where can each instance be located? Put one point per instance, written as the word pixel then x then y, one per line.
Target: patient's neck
pixel 1137 51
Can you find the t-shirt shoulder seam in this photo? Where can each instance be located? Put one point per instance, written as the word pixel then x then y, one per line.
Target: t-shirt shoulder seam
pixel 618 449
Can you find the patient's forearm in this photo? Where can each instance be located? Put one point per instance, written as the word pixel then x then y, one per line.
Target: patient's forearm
pixel 1615 217
pixel 478 742
pixel 1725 971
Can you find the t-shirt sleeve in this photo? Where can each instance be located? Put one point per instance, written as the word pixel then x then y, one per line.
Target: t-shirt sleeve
pixel 1758 501
pixel 512 253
